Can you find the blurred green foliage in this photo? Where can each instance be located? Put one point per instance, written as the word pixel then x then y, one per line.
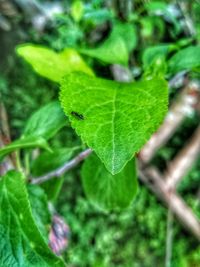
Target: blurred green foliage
pixel 136 237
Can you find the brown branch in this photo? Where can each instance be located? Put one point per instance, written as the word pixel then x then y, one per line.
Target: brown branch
pixel 8 162
pixel 156 183
pixel 178 167
pixel 121 73
pixel 189 24
pixel 8 9
pixel 187 101
pixel 63 169
pixel 4 126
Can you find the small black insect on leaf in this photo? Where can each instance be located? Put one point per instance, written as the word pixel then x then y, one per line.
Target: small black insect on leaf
pixel 77 115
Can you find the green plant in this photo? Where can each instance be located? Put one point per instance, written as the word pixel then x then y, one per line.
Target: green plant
pixel 114 119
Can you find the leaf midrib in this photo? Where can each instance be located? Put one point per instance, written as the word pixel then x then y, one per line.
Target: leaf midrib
pixel 113 130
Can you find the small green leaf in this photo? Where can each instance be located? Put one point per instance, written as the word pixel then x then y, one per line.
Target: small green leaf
pixel 50 64
pixel 46 122
pixel 156 6
pixel 117 118
pixel 97 16
pixel 26 142
pixel 77 10
pixel 154 52
pixel 47 162
pixel 128 32
pixel 42 125
pixel 158 68
pixel 106 190
pixel 115 49
pixel 185 59
pixel 21 242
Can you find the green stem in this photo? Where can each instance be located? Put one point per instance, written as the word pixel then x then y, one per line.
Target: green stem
pixel 18 162
pixel 26 163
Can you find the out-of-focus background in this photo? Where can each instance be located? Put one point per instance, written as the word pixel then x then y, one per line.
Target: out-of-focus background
pixel 147 234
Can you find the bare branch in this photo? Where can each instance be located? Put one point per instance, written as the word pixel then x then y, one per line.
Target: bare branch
pixel 8 162
pixel 121 73
pixel 179 167
pixel 156 183
pixel 63 169
pixel 190 28
pixel 4 127
pixel 187 101
pixel 8 8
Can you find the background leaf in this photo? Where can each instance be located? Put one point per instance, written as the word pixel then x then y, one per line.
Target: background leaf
pixel 46 122
pixel 42 125
pixel 152 53
pixel 106 190
pixel 161 8
pixel 115 49
pixel 50 64
pixel 77 9
pixel 185 59
pixel 116 118
pixel 97 16
pixel 21 242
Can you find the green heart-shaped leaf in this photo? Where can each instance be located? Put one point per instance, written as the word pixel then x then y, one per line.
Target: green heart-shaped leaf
pixel 106 190
pixel 114 119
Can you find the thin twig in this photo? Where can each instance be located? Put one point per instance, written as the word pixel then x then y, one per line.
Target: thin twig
pixel 169 238
pixel 63 169
pixel 8 162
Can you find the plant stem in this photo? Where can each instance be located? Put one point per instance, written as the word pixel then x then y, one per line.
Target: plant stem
pixel 26 163
pixel 18 163
pixel 169 238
